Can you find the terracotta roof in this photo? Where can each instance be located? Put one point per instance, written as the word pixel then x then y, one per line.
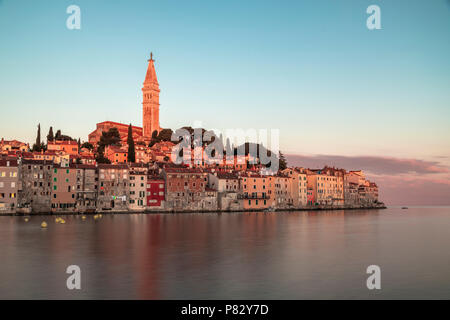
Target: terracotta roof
pixel 227 175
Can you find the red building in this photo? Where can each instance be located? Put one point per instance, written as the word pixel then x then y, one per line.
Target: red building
pixel 155 191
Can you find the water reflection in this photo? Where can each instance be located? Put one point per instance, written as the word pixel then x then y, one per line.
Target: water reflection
pixel 290 255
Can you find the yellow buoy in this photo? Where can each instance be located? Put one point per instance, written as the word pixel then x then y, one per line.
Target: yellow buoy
pixel 62 221
pixel 26 219
pixel 83 217
pixel 100 216
pixel 44 224
pixel 96 216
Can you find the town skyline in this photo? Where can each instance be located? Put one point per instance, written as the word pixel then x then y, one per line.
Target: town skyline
pixel 400 137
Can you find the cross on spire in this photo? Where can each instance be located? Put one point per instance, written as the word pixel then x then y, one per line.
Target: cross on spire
pixel 151 56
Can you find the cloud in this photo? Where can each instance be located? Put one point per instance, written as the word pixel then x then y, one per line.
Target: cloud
pixel 400 181
pixel 372 164
pixel 408 190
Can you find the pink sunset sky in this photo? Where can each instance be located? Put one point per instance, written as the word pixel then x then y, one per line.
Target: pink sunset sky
pixel 401 181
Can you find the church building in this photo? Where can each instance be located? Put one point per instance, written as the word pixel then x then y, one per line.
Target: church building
pixel 150 112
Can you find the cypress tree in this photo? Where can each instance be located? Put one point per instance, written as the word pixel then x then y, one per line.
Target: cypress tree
pixel 131 152
pixel 282 161
pixel 37 146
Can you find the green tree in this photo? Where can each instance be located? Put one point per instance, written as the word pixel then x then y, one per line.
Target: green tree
pixel 101 159
pixel 37 145
pixel 87 145
pixel 109 138
pixel 50 136
pixel 131 151
pixel 79 144
pixel 163 135
pixel 58 135
pixel 282 163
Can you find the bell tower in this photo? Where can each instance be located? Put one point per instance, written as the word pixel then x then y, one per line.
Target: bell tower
pixel 150 101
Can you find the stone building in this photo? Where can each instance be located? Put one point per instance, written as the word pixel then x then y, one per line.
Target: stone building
pixel 228 189
pixel 351 195
pixel 185 188
pixel 113 180
pixel 86 187
pixel 138 190
pixel 9 185
pixel 150 102
pixel 36 181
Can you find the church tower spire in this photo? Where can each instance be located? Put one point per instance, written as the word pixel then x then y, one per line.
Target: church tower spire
pixel 150 101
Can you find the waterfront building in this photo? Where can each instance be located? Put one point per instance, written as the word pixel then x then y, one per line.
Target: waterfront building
pixel 9 184
pixel 86 187
pixel 228 189
pixel 185 188
pixel 284 190
pixel 138 190
pixel 35 179
pixel 223 181
pixel 358 191
pixel 258 192
pixel 155 192
pixel 351 195
pixel 368 193
pixel 299 186
pixel 113 186
pixel 337 184
pixel 358 177
pixel 64 181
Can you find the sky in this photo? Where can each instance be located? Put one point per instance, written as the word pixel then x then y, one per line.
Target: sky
pixel 339 93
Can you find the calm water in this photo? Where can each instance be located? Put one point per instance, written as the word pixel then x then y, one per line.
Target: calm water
pixel 292 255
